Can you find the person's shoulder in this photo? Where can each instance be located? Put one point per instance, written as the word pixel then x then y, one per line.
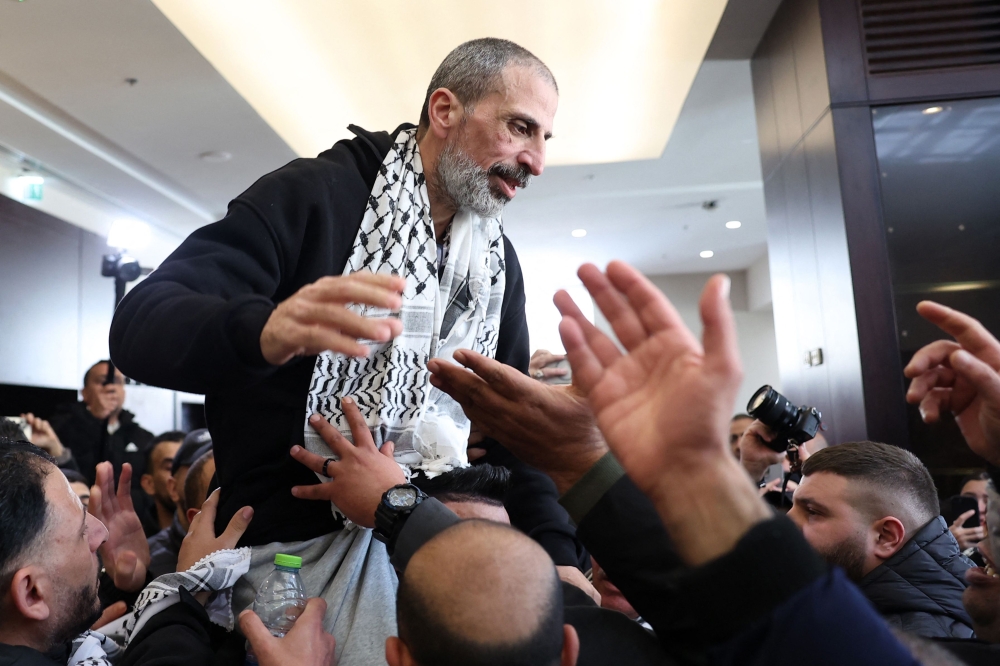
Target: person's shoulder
pixel 353 161
pixel 20 655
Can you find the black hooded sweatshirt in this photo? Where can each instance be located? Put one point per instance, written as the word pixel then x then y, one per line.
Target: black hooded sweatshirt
pixel 194 325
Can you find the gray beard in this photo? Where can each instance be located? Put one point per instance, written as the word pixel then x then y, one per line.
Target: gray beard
pixel 466 184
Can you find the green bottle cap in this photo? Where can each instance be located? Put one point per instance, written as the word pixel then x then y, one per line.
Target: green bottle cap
pixel 290 561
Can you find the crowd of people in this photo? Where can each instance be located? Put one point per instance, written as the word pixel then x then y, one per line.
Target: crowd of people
pixel 451 500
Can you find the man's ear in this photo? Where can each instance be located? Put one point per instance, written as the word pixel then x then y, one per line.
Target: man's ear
pixel 891 535
pixel 571 646
pixel 172 489
pixel 397 654
pixel 191 513
pixel 146 481
pixel 444 111
pixel 31 592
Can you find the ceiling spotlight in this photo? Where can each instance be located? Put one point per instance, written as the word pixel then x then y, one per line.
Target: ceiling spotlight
pixel 129 234
pixel 706 254
pixel 931 110
pixel 579 233
pixel 215 156
pixel 734 224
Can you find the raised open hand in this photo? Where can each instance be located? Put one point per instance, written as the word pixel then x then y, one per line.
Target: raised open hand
pixel 126 553
pixel 666 404
pixel 960 376
pixel 361 475
pixel 552 428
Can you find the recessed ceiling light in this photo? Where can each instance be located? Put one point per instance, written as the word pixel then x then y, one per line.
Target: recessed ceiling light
pixel 579 233
pixel 706 254
pixel 931 110
pixel 215 156
pixel 734 224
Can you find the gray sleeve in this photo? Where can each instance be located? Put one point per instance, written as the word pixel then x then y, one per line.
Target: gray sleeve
pixel 428 520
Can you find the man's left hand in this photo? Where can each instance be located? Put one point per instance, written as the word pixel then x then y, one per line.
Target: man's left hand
pixel 549 427
pixel 126 552
pixel 362 474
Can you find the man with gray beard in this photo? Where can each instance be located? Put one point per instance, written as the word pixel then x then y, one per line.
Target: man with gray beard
pixel 339 278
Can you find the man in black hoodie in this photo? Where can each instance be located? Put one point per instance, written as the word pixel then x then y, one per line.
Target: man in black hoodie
pixel 240 310
pixel 872 509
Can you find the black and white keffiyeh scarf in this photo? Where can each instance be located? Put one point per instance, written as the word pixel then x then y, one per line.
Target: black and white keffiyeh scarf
pixel 458 310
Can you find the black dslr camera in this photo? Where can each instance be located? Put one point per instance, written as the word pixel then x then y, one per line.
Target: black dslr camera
pixel 792 425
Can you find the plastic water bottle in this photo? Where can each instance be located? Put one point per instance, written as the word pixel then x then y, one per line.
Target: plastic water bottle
pixel 280 599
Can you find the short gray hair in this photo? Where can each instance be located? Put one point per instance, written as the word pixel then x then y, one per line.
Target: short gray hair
pixel 475 69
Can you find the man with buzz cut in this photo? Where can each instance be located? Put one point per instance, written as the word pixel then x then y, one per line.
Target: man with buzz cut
pixel 872 509
pixel 342 276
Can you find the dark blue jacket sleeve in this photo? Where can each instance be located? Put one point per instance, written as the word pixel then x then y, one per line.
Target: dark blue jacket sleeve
pixel 827 622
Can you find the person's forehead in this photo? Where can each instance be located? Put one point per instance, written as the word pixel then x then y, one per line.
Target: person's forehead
pixel 165 450
pixel 823 487
pixel 65 506
pixel 740 424
pixel 527 90
pixel 977 487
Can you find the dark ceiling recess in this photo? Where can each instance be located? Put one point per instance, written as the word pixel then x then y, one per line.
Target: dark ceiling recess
pixel 922 35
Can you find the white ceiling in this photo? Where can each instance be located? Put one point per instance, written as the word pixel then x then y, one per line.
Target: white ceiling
pixel 311 67
pixel 69 61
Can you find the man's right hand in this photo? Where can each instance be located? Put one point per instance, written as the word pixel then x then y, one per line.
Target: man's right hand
pixel 314 319
pixel 755 455
pixel 960 376
pixel 305 645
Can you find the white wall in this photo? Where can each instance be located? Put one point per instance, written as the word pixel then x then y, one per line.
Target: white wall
pixel 755 328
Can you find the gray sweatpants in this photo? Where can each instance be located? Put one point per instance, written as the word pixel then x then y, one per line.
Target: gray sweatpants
pixel 350 570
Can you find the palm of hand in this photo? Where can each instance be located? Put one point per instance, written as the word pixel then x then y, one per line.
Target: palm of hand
pixel 657 407
pixel 979 421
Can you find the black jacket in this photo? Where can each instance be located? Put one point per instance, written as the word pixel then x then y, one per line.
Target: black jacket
pixel 194 325
pixel 19 655
pixel 88 438
pixel 919 589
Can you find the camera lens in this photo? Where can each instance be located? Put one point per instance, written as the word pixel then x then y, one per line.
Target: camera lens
pixel 772 409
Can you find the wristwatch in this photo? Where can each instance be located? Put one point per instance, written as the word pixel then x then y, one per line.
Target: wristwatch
pixel 397 504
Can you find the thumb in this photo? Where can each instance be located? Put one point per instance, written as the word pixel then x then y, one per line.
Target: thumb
pixel 254 630
pixel 237 526
pixel 979 374
pixel 961 519
pixel 388 448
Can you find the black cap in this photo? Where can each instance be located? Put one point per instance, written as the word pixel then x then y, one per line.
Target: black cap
pixel 196 444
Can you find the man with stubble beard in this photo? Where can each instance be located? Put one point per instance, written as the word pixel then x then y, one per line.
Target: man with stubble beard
pixel 48 557
pixel 343 275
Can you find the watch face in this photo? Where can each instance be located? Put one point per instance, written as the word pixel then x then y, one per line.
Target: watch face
pixel 402 498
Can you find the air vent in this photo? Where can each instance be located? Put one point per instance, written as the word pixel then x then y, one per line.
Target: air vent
pixel 921 35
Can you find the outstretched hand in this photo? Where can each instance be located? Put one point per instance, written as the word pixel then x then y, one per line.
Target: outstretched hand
pixel 961 376
pixel 361 475
pixel 126 553
pixel 551 428
pixel 665 404
pixel 664 407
